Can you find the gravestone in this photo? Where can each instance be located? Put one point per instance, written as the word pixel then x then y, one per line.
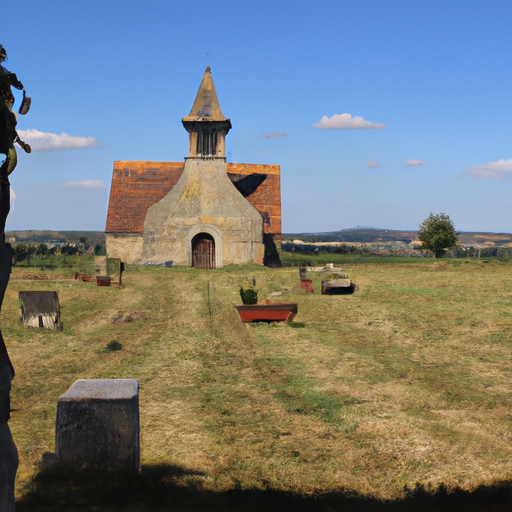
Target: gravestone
pixel 100 266
pixel 111 267
pixel 40 309
pixel 115 269
pixel 338 287
pixel 98 424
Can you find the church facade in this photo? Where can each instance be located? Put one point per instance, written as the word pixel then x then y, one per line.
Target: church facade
pixel 202 213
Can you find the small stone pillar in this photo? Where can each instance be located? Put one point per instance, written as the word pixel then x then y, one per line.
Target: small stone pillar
pixel 98 424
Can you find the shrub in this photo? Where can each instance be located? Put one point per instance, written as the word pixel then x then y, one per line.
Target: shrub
pixel 114 346
pixel 249 296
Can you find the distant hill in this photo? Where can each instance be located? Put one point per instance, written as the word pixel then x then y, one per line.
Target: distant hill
pixel 376 235
pixel 351 235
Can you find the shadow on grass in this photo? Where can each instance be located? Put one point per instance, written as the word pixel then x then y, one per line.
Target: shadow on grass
pixel 170 488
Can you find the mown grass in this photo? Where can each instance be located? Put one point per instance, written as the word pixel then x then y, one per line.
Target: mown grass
pixel 294 259
pixel 361 400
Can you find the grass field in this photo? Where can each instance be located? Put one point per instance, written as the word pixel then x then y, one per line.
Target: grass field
pixel 395 398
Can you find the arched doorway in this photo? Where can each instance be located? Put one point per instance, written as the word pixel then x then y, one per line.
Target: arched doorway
pixel 203 251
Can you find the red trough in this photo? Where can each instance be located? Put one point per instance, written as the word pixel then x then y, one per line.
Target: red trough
pixel 268 312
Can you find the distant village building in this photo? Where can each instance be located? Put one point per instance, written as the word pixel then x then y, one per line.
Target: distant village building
pixel 204 212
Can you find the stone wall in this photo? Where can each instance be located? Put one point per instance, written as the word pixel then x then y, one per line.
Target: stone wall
pixel 125 246
pixel 204 200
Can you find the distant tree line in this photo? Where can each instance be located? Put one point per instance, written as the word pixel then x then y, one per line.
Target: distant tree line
pixel 478 252
pixel 456 252
pixel 437 234
pixel 355 235
pixel 338 249
pixel 26 252
pixel 375 236
pixel 55 237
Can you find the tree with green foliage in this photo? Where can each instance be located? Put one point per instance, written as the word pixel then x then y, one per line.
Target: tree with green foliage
pixel 249 295
pixel 69 250
pixel 438 234
pixel 42 250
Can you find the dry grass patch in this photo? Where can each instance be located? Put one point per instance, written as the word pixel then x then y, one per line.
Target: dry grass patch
pixel 406 381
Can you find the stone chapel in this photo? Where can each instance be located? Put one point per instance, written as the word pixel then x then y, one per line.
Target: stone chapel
pixel 203 213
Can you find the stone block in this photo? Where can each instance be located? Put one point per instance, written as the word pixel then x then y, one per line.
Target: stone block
pixel 98 424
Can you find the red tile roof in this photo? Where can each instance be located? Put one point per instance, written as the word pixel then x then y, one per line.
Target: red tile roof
pixel 138 185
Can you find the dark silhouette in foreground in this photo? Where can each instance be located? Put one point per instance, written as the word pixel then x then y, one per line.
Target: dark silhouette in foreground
pixel 171 488
pixel 8 160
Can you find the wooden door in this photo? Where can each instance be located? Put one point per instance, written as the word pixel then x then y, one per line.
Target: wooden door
pixel 203 251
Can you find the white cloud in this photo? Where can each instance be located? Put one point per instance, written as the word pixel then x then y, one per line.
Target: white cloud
pixel 372 163
pixel 272 135
pixel 347 122
pixel 84 184
pixel 491 171
pixel 415 162
pixel 41 141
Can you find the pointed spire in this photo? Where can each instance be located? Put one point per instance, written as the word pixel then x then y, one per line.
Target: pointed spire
pixel 206 105
pixel 206 125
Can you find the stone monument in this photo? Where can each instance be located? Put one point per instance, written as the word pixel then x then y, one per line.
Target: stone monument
pixel 98 424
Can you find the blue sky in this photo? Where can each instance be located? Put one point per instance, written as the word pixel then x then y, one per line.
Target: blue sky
pixel 378 112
